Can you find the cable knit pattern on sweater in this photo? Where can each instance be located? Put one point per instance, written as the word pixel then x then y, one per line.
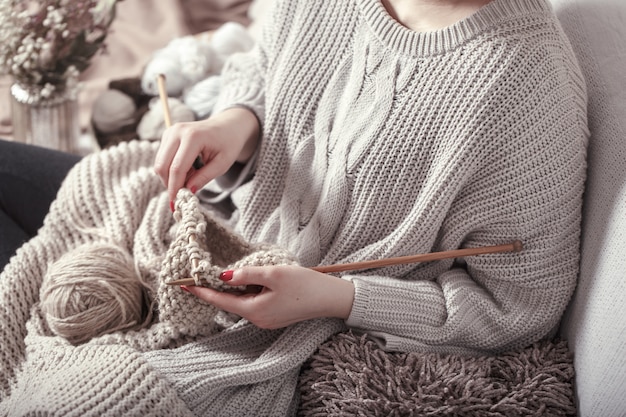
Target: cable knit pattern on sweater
pixel 379 142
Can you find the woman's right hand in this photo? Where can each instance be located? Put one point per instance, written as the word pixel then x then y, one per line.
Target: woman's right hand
pixel 220 141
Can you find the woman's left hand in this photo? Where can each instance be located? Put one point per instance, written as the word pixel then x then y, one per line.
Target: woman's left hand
pixel 288 294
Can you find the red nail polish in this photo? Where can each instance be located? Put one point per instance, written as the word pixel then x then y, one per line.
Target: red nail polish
pixel 193 189
pixel 226 275
pixel 184 288
pixel 172 205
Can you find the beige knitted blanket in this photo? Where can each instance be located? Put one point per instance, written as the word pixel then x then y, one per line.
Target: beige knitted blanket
pixel 114 196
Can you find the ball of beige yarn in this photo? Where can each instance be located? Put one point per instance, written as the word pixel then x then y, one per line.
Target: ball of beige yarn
pixel 93 290
pixel 112 111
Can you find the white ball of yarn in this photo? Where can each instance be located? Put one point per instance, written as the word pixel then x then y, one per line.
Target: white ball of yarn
pixel 152 124
pixel 161 63
pixel 230 38
pixel 183 62
pixel 202 97
pixel 93 290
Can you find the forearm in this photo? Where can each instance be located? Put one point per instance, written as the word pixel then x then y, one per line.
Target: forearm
pixel 339 298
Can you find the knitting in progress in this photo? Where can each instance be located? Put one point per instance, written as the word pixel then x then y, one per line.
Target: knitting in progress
pixel 114 196
pixel 94 289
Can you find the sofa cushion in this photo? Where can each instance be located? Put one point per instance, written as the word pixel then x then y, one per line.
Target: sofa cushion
pixel 595 324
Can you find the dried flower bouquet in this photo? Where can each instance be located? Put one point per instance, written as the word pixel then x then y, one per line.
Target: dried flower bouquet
pixel 45 45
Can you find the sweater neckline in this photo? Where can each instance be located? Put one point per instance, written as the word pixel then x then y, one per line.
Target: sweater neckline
pixel 409 42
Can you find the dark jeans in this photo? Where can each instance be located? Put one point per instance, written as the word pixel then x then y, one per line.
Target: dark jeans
pixel 30 177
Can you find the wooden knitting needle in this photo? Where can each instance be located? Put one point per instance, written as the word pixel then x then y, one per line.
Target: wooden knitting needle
pixel 514 246
pixel 168 123
pixel 197 163
pixel 163 96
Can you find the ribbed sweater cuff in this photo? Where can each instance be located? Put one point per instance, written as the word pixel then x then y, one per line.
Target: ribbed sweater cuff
pixel 358 319
pixel 360 306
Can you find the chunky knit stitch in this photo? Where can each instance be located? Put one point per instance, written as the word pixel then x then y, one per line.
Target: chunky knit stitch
pixel 115 197
pixel 379 141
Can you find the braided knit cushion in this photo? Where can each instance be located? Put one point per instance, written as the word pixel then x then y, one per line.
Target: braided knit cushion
pixel 114 196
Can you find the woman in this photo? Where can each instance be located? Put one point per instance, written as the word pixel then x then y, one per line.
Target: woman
pixel 399 128
pixel 364 130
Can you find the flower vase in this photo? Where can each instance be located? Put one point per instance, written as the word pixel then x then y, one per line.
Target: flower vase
pixel 51 122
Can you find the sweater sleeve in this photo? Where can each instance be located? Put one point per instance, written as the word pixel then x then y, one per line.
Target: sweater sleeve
pixel 244 74
pixel 243 85
pixel 527 184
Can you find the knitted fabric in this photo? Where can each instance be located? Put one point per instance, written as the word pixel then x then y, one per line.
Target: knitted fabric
pixel 382 142
pixel 114 196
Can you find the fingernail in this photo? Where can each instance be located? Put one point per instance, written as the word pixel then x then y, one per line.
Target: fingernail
pixel 172 205
pixel 226 275
pixel 193 189
pixel 184 288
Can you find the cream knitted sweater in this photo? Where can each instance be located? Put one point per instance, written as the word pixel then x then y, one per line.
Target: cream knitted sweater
pixel 382 142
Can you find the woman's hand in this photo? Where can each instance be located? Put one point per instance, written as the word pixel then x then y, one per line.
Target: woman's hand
pixel 220 141
pixel 288 294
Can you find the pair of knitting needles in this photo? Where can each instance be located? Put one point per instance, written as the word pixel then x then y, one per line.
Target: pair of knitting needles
pixel 514 246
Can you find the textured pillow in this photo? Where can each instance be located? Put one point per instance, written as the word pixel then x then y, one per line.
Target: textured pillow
pixel 350 375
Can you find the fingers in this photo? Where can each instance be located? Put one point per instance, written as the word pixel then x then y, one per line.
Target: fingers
pixel 231 302
pixel 181 166
pixel 252 275
pixel 214 166
pixel 257 279
pixel 167 149
pixel 220 141
pixel 175 162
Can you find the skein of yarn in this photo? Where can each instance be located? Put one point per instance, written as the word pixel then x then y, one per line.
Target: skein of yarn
pixel 202 97
pixel 184 61
pixel 230 38
pixel 113 110
pixel 93 290
pixel 152 124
